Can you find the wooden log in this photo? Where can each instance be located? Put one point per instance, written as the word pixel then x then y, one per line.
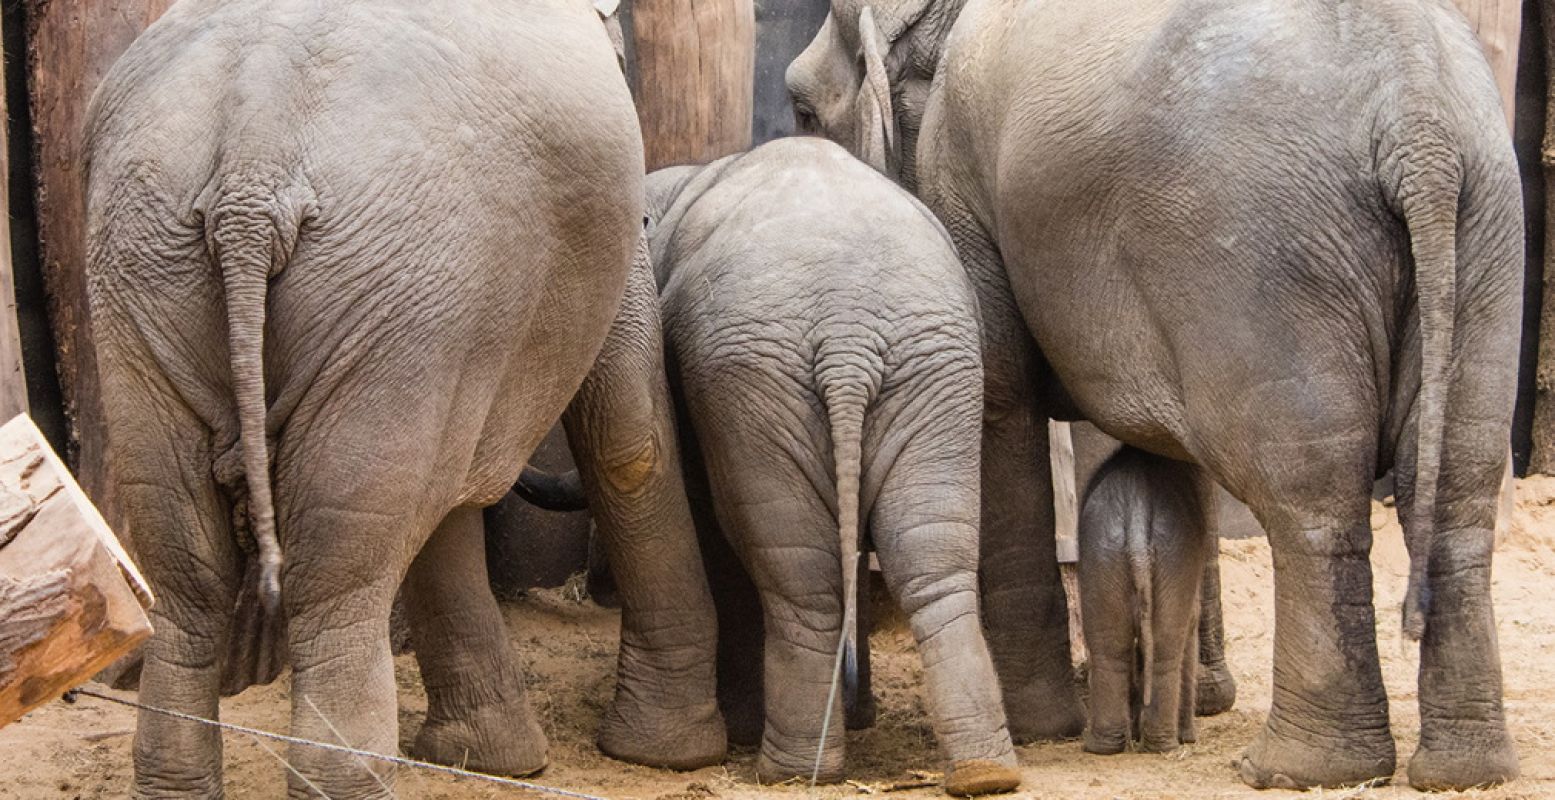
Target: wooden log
pixel 1066 502
pixel 694 78
pixel 71 46
pixel 71 601
pixel 13 381
pixel 1542 458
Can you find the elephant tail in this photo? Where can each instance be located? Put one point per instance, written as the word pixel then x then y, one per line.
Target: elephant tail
pixel 1136 538
pixel 1428 185
pixel 846 391
pixel 251 230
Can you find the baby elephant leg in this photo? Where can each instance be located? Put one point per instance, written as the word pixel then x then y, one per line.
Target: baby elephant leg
pixel 929 556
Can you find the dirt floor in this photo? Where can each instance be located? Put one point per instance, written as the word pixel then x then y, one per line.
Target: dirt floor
pixel 568 647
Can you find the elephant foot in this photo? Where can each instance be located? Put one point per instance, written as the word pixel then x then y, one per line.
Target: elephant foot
pixel 1104 744
pixel 1040 714
pixel 667 738
pixel 979 777
pixel 1474 764
pixel 1359 756
pixel 494 740
pixel 1216 692
pixel 776 766
pixel 1165 744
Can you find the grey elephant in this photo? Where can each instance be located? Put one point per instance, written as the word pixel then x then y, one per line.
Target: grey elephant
pixel 1281 241
pixel 824 353
pixel 1143 545
pixel 348 262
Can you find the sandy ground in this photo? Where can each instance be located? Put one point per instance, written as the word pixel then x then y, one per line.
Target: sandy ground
pixel 568 647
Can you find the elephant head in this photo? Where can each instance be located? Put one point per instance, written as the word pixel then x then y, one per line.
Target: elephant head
pixel 864 80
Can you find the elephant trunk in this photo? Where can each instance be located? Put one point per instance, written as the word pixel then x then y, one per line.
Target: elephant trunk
pixel 551 491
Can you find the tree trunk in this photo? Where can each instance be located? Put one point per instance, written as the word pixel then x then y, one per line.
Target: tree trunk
pixel 695 72
pixel 13 381
pixel 72 44
pixel 1543 456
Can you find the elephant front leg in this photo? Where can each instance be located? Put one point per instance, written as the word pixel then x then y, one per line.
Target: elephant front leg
pixel 1025 612
pixel 621 429
pixel 478 715
pixel 1328 725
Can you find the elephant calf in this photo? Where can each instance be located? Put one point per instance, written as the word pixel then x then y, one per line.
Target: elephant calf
pixel 1143 546
pixel 825 343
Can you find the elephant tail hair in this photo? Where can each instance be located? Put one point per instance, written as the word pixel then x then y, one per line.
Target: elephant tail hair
pixel 1136 535
pixel 1429 180
pixel 846 389
pixel 252 229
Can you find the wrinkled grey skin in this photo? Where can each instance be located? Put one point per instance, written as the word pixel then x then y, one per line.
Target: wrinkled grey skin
pixel 823 344
pixel 1143 544
pixel 1277 240
pixel 345 274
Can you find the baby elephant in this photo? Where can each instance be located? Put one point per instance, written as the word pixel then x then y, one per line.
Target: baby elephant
pixel 1143 544
pixel 824 347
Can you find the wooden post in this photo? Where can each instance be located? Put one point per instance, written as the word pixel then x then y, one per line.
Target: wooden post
pixel 72 44
pixel 696 62
pixel 1498 23
pixel 13 381
pixel 1542 459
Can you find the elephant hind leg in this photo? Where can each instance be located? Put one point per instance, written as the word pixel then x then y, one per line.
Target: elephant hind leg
pixel 185 546
pixel 925 529
pixel 478 714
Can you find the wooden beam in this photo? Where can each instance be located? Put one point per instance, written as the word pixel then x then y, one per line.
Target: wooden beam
pixel 695 73
pixel 13 381
pixel 71 601
pixel 72 45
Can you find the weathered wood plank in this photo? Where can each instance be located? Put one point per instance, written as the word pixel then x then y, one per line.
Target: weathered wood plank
pixel 72 44
pixel 695 72
pixel 13 381
pixel 1499 24
pixel 71 602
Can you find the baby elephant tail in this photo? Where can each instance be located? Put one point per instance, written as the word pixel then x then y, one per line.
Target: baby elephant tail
pixel 846 399
pixel 1137 540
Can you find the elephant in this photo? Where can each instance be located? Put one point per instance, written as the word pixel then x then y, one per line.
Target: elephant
pixel 822 344
pixel 1143 545
pixel 1280 241
pixel 347 264
pixel 1215 691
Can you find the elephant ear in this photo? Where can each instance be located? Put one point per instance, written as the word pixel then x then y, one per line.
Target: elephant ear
pixel 609 14
pixel 876 118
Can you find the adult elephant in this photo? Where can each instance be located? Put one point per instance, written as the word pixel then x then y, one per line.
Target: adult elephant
pixel 1278 240
pixel 348 262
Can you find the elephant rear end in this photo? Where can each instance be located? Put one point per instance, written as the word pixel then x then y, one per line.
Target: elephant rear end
pixel 362 252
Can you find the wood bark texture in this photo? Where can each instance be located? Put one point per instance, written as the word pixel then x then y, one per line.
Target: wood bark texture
pixel 71 602
pixel 1542 459
pixel 696 62
pixel 71 46
pixel 13 381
